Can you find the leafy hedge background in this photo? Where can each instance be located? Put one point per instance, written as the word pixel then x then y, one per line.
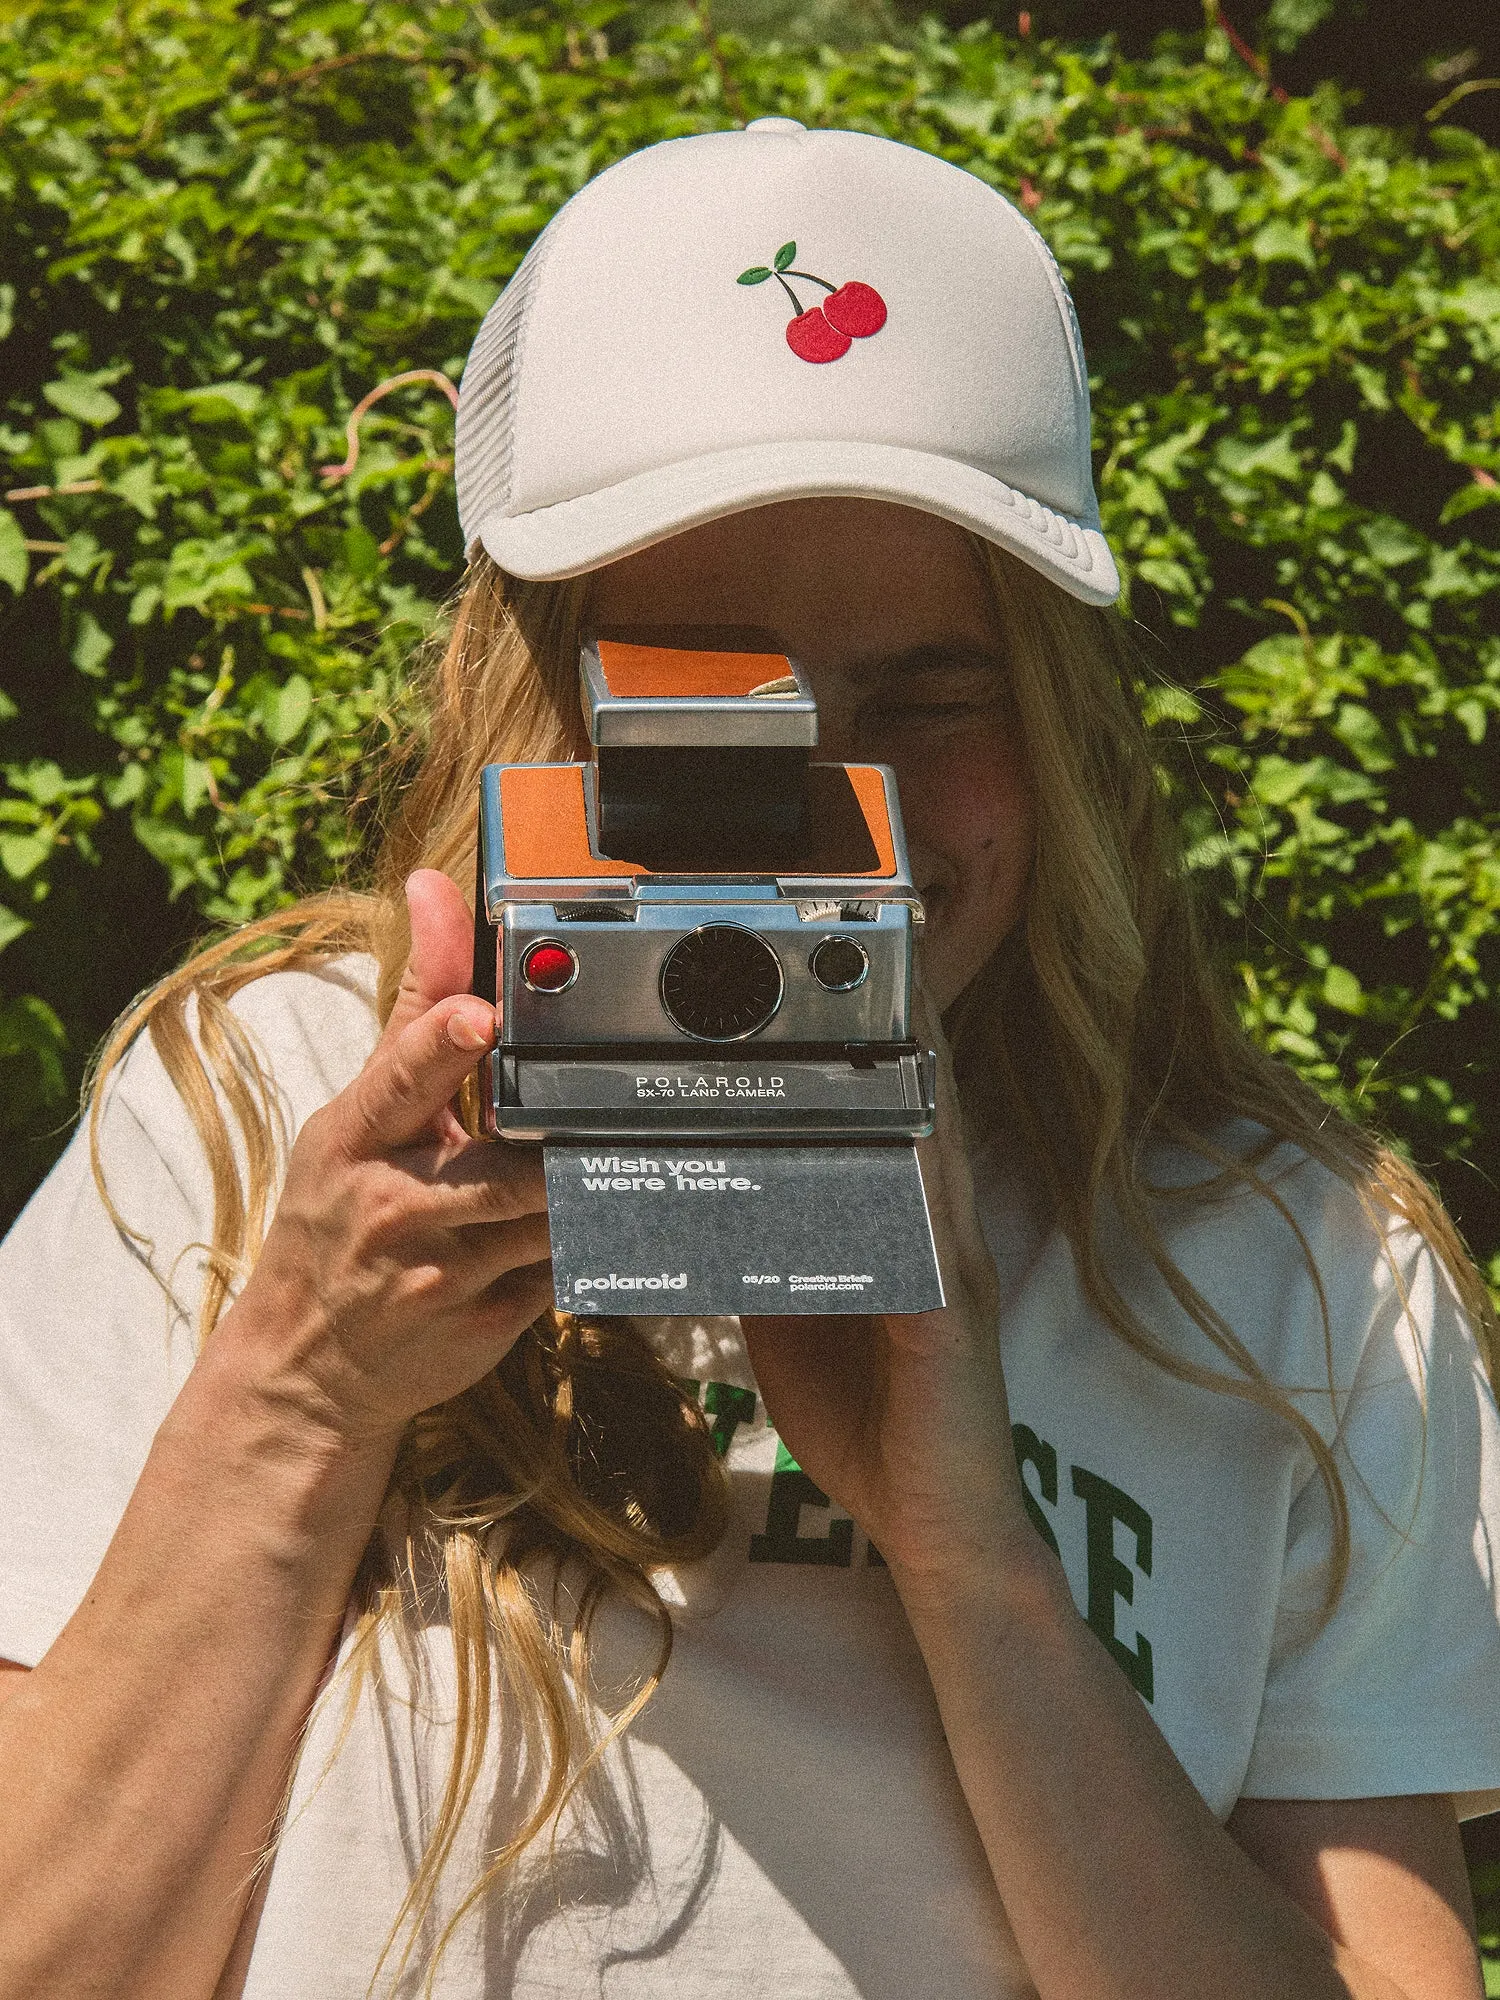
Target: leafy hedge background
pixel 223 225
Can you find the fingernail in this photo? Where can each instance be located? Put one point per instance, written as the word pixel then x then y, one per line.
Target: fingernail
pixel 469 1032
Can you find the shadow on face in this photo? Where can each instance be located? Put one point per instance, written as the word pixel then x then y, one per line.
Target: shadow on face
pixel 889 612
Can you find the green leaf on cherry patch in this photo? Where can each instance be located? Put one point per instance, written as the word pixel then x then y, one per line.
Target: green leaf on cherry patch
pixel 785 255
pixel 756 275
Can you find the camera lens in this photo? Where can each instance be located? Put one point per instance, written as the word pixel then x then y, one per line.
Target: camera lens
pixel 721 983
pixel 839 964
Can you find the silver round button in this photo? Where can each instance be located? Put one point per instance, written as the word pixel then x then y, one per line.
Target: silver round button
pixel 775 125
pixel 839 964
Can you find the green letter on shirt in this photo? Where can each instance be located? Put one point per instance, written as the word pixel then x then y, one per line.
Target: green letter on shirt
pixel 1032 1450
pixel 729 1407
pixel 791 1491
pixel 1108 1577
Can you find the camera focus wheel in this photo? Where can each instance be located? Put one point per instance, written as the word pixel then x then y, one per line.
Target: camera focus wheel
pixel 721 983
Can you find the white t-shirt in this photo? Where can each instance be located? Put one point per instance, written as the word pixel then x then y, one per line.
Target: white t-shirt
pixel 784 1818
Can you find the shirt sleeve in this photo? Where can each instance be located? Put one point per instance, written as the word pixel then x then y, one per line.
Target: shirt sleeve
pixel 98 1324
pixel 1396 1692
pixel 96 1338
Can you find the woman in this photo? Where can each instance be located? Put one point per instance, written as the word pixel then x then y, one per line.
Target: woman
pixel 1150 1664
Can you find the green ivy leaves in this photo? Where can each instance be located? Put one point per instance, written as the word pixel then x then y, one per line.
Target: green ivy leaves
pixel 209 263
pixel 33 1058
pixel 84 397
pixel 15 562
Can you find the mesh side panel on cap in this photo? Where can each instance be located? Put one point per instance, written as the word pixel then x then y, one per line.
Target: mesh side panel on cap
pixel 1074 331
pixel 483 438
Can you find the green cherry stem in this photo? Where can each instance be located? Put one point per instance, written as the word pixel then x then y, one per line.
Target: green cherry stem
pixel 796 302
pixel 812 280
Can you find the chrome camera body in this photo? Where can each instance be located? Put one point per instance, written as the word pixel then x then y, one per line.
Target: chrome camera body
pixel 701 932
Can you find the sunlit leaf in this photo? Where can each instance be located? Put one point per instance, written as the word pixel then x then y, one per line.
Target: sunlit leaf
pixel 15 563
pixel 84 400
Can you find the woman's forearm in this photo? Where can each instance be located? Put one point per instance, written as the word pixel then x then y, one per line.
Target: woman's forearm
pixel 1118 1881
pixel 143 1762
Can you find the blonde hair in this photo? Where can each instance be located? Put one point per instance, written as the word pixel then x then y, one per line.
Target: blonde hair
pixel 1099 1028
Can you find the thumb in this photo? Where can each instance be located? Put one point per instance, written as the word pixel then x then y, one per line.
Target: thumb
pixel 441 960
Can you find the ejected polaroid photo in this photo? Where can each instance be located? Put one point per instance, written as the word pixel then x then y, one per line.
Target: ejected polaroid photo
pixel 695 1227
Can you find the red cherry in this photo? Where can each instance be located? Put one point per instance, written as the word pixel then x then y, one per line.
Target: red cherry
pixel 856 309
pixel 813 338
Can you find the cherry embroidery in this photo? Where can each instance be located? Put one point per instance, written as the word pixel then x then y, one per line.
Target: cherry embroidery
pixel 814 337
pixel 825 332
pixel 856 309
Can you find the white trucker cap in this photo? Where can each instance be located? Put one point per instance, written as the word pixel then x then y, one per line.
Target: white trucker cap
pixel 734 318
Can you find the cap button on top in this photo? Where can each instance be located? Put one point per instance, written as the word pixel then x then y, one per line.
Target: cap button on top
pixel 775 125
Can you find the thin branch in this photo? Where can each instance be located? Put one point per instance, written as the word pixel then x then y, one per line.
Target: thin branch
pixel 49 492
pixel 351 429
pixel 729 90
pixel 1259 67
pixel 315 598
pixel 403 527
pixel 1463 90
pixel 283 79
pixel 1247 55
pixel 19 96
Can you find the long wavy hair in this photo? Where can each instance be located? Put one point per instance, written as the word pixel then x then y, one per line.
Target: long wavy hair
pixel 1099 1028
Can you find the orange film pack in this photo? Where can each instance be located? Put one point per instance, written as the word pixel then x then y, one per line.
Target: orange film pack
pixel 702 940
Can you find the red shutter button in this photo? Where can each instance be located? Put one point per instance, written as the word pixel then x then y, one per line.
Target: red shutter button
pixel 548 967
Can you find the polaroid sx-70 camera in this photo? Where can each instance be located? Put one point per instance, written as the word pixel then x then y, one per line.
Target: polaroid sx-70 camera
pixel 700 943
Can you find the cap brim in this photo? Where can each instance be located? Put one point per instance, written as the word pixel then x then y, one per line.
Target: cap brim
pixel 572 536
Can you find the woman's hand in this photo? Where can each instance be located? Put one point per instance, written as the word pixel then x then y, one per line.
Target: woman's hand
pixel 1095 1836
pixel 143 1765
pixel 405 1258
pixel 902 1418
